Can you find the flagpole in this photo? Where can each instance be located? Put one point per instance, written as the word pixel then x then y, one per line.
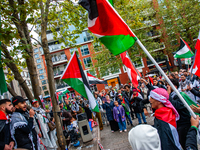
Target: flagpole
pixel 193 64
pixel 168 80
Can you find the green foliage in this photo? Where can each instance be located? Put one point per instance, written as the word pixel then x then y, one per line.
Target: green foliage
pixel 180 19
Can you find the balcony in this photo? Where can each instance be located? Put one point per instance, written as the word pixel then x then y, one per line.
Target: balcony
pixel 58 74
pixel 50 36
pixel 56 47
pixel 59 59
pixel 60 86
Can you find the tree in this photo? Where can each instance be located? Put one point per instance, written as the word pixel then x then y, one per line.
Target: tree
pixel 14 13
pixel 179 19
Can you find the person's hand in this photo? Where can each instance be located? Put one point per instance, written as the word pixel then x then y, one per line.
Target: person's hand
pixel 122 116
pixel 115 120
pixel 143 80
pixel 169 89
pixel 195 122
pixel 31 113
pixel 74 111
pixel 47 111
pixel 40 135
pixel 195 109
pixel 7 147
pixel 189 87
pixel 183 90
pixel 12 144
pixel 103 102
pixel 87 105
pixel 146 112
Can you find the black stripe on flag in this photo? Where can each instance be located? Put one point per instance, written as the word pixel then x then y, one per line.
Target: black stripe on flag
pixel 91 7
pixel 85 82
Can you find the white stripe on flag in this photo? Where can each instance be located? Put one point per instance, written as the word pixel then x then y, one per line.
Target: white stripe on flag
pixel 182 51
pixel 91 99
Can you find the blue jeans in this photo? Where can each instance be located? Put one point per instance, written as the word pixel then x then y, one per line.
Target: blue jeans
pixel 139 118
pixel 129 118
pixel 122 125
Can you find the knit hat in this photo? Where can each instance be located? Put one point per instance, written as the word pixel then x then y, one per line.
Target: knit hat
pixel 144 137
pixel 161 95
pixel 34 101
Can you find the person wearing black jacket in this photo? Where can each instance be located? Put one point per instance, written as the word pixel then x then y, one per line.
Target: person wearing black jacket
pixel 183 124
pixel 22 129
pixel 6 142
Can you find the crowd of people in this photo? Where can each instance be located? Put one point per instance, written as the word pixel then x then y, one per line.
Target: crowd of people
pixel 174 128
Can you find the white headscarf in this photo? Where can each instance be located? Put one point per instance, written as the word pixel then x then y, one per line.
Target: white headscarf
pixel 144 137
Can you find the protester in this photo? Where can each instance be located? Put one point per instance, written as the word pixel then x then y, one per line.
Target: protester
pixel 86 107
pixel 144 137
pixel 137 106
pixel 42 126
pixel 22 129
pixel 75 109
pixel 67 105
pixel 119 116
pixel 6 142
pixel 126 107
pixel 183 124
pixel 67 119
pixel 108 106
pixel 113 93
pixel 165 119
pixel 98 114
pixel 183 87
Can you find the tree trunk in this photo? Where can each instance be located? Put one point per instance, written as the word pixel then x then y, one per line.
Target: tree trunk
pixel 12 92
pixel 22 28
pixel 48 58
pixel 16 73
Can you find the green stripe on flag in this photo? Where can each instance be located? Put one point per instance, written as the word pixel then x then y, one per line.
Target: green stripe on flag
pixel 184 55
pixel 96 109
pixel 117 44
pixel 3 85
pixel 77 85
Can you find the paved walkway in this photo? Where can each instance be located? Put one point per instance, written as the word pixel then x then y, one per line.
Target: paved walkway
pixel 117 140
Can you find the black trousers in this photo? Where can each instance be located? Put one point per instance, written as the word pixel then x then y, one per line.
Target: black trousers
pixel 182 132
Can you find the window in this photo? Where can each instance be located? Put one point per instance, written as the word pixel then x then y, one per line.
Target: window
pixel 35 50
pixel 87 62
pixel 36 55
pixel 44 87
pixel 41 49
pixel 46 93
pixel 44 82
pixel 85 50
pixel 38 60
pixel 41 77
pixel 41 71
pixel 39 66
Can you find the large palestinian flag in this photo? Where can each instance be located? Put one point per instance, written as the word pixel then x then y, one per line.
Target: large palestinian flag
pixel 184 50
pixel 75 77
pixel 94 80
pixel 108 26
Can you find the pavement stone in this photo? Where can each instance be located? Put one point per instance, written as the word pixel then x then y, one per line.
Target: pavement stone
pixel 117 140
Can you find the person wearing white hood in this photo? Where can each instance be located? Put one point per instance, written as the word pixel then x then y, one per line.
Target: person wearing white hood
pixel 144 137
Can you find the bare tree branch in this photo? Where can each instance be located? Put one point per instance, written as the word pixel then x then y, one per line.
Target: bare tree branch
pixel 37 41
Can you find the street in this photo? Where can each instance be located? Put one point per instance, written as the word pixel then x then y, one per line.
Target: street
pixel 117 140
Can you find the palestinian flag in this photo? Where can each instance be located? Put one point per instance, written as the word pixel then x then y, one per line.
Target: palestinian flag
pixel 133 74
pixel 108 26
pixel 94 80
pixel 196 64
pixel 184 50
pixel 75 77
pixel 126 107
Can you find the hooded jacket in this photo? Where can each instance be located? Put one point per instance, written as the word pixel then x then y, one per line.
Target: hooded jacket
pixel 5 137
